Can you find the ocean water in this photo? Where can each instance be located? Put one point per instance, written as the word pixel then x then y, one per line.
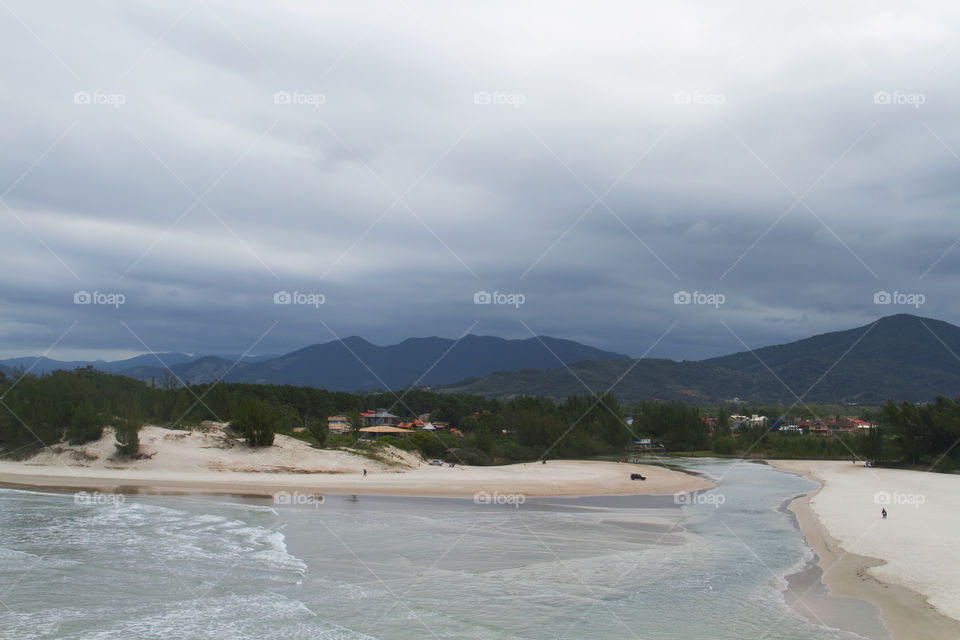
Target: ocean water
pixel 204 567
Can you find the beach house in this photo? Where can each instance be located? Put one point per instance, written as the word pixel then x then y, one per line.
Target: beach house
pixel 339 424
pixel 829 426
pixel 380 417
pixel 374 432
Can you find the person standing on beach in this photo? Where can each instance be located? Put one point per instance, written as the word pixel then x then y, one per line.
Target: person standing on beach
pixel 883 512
pixel 365 475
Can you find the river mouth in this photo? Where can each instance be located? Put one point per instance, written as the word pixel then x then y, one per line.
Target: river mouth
pixel 711 564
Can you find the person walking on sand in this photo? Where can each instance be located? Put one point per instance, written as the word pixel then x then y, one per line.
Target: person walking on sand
pixel 883 512
pixel 365 475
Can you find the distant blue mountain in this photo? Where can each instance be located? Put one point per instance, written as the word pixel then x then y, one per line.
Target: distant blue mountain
pixel 46 365
pixel 357 365
pixel 903 357
pixel 147 362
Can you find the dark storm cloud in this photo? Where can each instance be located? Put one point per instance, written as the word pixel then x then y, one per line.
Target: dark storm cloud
pixel 398 159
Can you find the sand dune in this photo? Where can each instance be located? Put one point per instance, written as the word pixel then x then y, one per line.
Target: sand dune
pixel 212 448
pixel 210 461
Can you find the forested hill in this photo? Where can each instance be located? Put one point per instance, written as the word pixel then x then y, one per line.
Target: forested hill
pixel 901 357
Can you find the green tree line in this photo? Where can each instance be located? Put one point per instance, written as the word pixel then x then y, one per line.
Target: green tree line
pixel 75 406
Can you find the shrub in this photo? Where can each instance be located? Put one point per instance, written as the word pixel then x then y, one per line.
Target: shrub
pixel 255 421
pixel 725 446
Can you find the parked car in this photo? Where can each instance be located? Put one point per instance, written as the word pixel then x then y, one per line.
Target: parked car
pixel 436 463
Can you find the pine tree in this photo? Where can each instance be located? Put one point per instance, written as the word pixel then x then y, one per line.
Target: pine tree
pixel 319 429
pixel 127 429
pixel 256 421
pixel 84 424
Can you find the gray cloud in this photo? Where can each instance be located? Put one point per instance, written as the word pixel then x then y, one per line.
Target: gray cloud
pixel 193 187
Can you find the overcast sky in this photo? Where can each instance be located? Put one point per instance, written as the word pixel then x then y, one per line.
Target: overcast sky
pixel 186 161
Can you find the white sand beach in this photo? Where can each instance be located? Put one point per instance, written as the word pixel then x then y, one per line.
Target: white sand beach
pixel 908 564
pixel 209 461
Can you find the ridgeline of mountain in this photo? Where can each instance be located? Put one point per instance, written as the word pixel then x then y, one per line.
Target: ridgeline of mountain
pixel 43 365
pixel 148 362
pixel 901 357
pixel 195 371
pixel 354 364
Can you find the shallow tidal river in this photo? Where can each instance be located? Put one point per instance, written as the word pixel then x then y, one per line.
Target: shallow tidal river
pixel 621 567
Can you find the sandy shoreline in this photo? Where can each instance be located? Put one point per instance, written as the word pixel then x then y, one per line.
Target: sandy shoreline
pixel 558 478
pixel 845 503
pixel 211 462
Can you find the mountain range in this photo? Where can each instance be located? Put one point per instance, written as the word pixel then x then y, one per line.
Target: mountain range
pixel 162 360
pixel 353 364
pixel 903 357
